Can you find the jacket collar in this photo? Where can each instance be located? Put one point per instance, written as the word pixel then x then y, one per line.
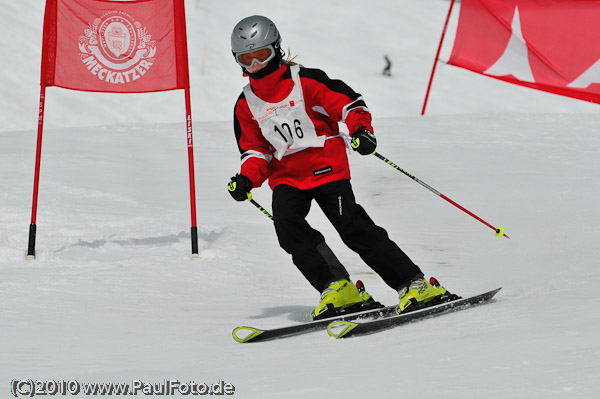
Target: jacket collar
pixel 265 85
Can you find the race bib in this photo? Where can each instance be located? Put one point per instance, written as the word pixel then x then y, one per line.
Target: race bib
pixel 285 124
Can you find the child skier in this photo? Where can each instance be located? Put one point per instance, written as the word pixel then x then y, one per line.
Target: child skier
pixel 286 127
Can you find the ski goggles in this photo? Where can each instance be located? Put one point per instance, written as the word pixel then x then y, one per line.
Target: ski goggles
pixel 260 56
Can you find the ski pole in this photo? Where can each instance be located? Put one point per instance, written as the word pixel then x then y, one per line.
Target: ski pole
pixel 499 231
pixel 260 208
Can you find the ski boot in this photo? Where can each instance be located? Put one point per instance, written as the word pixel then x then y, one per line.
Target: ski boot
pixel 343 297
pixel 366 297
pixel 420 294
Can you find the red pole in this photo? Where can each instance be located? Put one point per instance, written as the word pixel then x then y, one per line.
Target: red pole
pixel 190 145
pixel 436 58
pixel 36 179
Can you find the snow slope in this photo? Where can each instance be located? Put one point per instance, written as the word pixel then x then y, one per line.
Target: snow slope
pixel 114 297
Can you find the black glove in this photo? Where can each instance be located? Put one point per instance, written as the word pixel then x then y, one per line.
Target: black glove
pixel 363 141
pixel 239 187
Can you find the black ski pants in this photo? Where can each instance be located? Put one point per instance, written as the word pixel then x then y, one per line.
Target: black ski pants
pixel 310 253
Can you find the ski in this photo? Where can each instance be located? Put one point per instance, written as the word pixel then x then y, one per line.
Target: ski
pixel 345 328
pixel 250 334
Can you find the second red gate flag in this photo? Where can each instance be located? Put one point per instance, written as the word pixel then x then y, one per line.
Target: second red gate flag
pixel 549 45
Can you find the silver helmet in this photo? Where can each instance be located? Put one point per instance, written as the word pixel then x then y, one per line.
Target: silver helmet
pixel 254 32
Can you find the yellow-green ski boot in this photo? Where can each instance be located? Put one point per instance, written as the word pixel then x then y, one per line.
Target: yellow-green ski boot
pixel 338 297
pixel 420 293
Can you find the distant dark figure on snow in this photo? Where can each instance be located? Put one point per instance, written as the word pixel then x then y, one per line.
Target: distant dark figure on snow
pixel 387 71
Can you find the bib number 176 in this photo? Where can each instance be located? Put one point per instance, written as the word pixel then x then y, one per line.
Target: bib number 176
pixel 297 130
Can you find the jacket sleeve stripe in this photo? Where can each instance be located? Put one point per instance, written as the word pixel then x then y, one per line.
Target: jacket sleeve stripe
pixel 358 104
pixel 255 154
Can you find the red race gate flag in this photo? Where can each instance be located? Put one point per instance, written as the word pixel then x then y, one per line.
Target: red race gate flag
pixel 115 46
pixel 549 45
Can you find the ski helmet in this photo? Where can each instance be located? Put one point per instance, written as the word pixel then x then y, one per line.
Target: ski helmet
pixel 253 33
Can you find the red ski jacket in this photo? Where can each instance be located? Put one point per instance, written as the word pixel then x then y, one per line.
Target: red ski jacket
pixel 327 102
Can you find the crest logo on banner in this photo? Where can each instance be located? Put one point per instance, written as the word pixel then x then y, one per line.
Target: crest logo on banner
pixel 116 48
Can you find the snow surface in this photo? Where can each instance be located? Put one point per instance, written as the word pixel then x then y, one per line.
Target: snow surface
pixel 114 296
